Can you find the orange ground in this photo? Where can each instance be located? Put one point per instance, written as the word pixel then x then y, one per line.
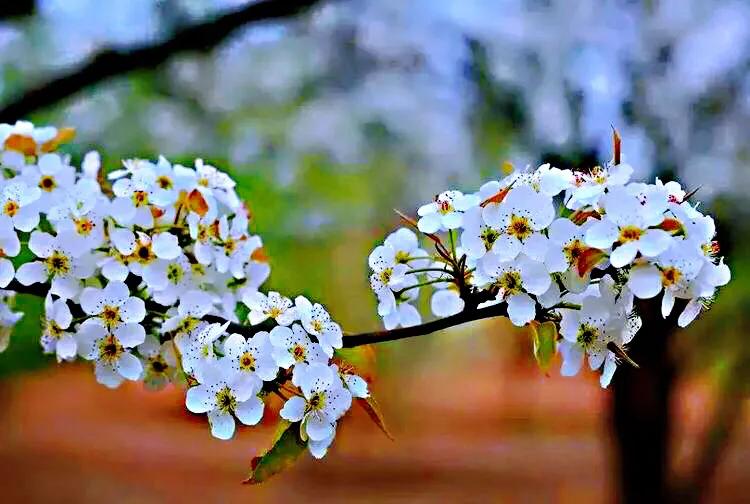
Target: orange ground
pixel 464 433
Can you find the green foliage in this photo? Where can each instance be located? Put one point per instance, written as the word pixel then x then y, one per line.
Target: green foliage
pixel 544 341
pixel 24 352
pixel 286 447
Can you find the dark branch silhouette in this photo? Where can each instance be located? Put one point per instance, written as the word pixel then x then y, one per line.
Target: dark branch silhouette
pixel 112 62
pixel 350 341
pixel 469 315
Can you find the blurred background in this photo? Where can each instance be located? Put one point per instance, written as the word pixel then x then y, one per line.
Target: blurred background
pixel 331 116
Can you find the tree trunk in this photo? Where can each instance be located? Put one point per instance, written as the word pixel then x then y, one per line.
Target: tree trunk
pixel 640 410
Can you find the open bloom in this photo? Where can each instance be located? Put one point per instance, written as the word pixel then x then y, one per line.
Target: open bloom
pixel 223 393
pixel 387 272
pixel 55 335
pixel 114 308
pixel 515 280
pixel 446 212
pixel 325 400
pixel 10 246
pixel 197 347
pixel 273 306
pixel 17 202
pixel 406 249
pixel 478 237
pixel 52 176
pixel 293 347
pixel 627 227
pixel 568 253
pixel 159 362
pixel 588 187
pixel 62 264
pixel 522 215
pixel 317 322
pixel 587 332
pixel 111 352
pixel 252 355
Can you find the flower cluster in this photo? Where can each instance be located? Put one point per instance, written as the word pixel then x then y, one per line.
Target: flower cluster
pixel 150 274
pixel 576 247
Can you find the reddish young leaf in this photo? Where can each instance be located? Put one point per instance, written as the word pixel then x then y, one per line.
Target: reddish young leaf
pixel 496 198
pixel 197 203
pixel 581 216
pixel 64 135
pixel 616 146
pixel 20 143
pixel 588 260
pixel 370 405
pixel 259 255
pixel 671 225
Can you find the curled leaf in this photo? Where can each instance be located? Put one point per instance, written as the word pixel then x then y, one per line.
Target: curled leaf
pixel 286 447
pixel 370 405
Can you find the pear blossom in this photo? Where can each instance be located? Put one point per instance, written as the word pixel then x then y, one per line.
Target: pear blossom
pixel 17 202
pixel 516 281
pixel 198 346
pixel 567 253
pixel 293 347
pixel 273 305
pixel 403 314
pixel 56 335
pixel 114 308
pixel 587 332
pixel 224 394
pixel 52 176
pixel 589 187
pixel 628 225
pixel 405 245
pixel 387 272
pixel 62 264
pixel 446 302
pixel 522 215
pixel 446 212
pixel 317 322
pixel 159 362
pixel 324 401
pixel 478 237
pixel 193 306
pixel 252 355
pixel 111 353
pixel 10 246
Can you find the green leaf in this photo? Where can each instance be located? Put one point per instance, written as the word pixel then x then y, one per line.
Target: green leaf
pixel 286 447
pixel 373 411
pixel 544 339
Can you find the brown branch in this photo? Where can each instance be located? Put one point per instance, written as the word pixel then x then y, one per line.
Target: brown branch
pixel 111 62
pixel 355 340
pixel 350 341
